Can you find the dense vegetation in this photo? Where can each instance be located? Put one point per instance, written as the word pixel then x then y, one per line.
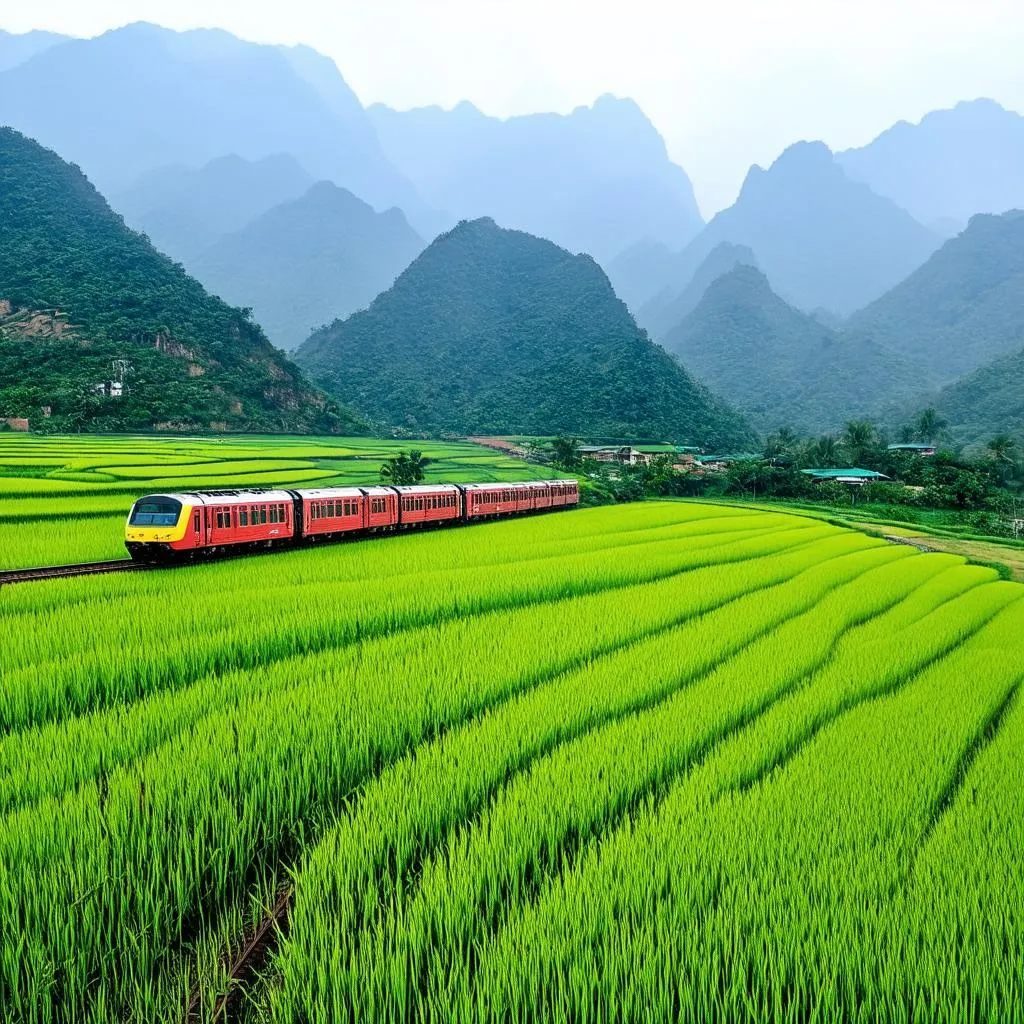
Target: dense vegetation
pixel 307 262
pixel 981 494
pixel 962 308
pixel 196 363
pixel 775 363
pixel 988 401
pixel 669 761
pixel 495 331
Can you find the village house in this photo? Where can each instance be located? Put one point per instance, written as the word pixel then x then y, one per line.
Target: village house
pixel 850 477
pixel 914 448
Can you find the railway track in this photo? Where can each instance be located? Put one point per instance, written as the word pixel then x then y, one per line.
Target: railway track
pixel 52 572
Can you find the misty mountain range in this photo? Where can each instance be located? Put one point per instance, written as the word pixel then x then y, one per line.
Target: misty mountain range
pixel 259 170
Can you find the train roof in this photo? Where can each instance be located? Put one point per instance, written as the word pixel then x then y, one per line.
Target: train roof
pixel 225 497
pixel 424 488
pixel 330 492
pixel 515 483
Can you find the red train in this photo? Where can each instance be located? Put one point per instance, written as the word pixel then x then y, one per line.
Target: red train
pixel 163 527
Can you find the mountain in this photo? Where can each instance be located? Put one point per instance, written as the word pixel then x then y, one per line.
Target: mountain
pixel 309 261
pixel 80 290
pixel 491 330
pixel 987 402
pixel 638 272
pixel 964 307
pixel 777 365
pixel 823 240
pixel 15 49
pixel 596 180
pixel 185 211
pixel 143 97
pixel 950 166
pixel 666 310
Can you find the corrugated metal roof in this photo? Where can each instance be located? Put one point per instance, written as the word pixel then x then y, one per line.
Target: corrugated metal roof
pixel 853 474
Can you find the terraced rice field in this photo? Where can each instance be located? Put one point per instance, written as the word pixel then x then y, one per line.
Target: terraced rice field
pixel 65 499
pixel 663 762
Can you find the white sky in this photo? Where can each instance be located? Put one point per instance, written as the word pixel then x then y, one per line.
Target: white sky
pixel 727 82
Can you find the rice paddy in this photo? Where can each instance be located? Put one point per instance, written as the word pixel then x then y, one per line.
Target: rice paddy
pixel 71 495
pixel 659 762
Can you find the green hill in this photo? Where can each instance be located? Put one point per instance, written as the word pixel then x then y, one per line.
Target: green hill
pixel 987 402
pixel 310 261
pixel 500 331
pixel 963 308
pixel 80 290
pixel 777 365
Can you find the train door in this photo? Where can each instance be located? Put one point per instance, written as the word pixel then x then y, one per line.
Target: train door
pixel 197 527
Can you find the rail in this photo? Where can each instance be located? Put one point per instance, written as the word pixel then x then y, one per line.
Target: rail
pixel 52 572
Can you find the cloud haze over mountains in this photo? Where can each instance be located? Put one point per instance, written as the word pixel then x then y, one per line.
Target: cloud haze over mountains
pixel 727 85
pixel 259 168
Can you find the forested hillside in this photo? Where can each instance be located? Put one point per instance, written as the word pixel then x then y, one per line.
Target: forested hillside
pixel 667 310
pixel 987 402
pixel 499 331
pixel 81 290
pixel 307 262
pixel 776 364
pixel 962 308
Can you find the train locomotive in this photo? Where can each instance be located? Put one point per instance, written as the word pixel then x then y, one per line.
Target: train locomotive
pixel 173 527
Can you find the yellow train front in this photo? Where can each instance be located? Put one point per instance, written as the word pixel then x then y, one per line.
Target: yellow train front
pixel 174 527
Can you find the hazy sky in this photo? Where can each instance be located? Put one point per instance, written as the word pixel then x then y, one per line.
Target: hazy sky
pixel 727 82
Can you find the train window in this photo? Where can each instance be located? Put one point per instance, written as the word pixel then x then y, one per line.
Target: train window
pixel 243 517
pixel 263 514
pixel 156 512
pixel 195 521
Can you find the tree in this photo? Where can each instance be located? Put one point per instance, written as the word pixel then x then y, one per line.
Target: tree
pixel 859 441
pixel 565 452
pixel 1002 448
pixel 929 425
pixel 779 447
pixel 404 469
pixel 823 453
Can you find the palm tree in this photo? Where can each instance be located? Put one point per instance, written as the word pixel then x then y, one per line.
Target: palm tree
pixel 859 439
pixel 1002 448
pixel 404 468
pixel 929 425
pixel 824 453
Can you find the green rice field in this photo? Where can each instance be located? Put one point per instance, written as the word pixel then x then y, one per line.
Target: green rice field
pixel 668 761
pixel 65 499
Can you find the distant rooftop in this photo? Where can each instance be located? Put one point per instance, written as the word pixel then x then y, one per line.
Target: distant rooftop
pixel 914 446
pixel 845 474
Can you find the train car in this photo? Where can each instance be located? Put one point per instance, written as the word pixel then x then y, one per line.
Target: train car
pixel 564 492
pixel 428 503
pixel 329 511
pixel 541 494
pixel 166 526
